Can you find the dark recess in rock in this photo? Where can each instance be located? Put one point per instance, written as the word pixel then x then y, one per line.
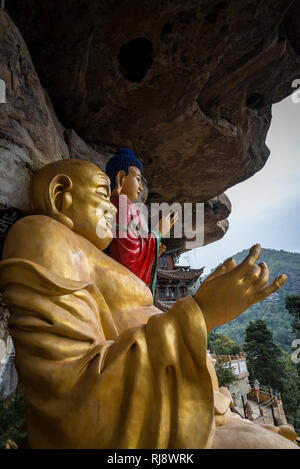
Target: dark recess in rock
pixel 166 31
pixel 153 195
pixel 255 101
pixel 135 58
pixel 212 17
pixel 291 26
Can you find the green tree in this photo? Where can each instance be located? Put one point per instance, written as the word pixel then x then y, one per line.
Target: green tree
pixel 12 415
pixel 290 388
pixel 292 304
pixel 264 357
pixel 222 345
pixel 224 373
pixel 272 310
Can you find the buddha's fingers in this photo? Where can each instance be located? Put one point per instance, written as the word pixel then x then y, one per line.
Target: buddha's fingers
pixel 229 265
pixel 171 217
pixel 219 271
pixel 248 263
pixel 174 220
pixel 269 289
pixel 224 268
pixel 263 278
pixel 252 276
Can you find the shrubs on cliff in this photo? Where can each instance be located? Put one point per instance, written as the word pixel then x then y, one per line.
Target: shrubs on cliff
pixel 12 415
pixel 222 345
pixel 225 375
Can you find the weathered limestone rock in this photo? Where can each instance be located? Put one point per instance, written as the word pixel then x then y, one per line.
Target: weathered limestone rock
pixel 30 135
pixel 4 315
pixel 8 374
pixel 79 149
pixel 187 84
pixel 216 211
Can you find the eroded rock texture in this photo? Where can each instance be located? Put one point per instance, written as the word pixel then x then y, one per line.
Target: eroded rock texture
pixel 188 84
pixel 30 135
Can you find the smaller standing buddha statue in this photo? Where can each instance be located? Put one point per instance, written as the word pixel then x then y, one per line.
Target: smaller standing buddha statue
pixel 133 246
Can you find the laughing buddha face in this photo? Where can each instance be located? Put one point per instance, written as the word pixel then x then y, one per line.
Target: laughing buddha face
pixel 79 196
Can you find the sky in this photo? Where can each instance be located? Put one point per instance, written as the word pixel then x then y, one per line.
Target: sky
pixel 265 207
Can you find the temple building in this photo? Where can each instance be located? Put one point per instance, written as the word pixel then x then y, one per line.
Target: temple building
pixel 174 282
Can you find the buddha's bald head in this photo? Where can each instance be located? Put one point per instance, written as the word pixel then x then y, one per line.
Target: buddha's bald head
pixel 77 194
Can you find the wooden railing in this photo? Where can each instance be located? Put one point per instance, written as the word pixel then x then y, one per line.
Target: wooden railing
pixel 227 358
pixel 237 362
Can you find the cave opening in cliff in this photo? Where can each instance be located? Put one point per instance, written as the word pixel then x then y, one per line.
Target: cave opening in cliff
pixel 135 58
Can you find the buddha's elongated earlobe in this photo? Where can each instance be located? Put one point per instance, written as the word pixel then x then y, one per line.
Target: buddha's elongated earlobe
pixel 66 201
pixel 60 198
pixel 120 179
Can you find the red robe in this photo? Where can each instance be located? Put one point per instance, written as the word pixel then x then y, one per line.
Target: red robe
pixel 132 245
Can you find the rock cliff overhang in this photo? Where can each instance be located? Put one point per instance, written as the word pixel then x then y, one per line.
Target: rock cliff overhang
pixel 189 85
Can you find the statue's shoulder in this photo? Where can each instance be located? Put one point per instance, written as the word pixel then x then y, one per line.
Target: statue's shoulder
pixel 37 230
pixel 42 240
pixel 35 222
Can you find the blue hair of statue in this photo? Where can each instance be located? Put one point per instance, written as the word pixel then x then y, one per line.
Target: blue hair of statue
pixel 121 161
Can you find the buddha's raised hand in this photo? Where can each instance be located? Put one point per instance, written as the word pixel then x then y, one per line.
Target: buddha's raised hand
pixel 231 289
pixel 162 249
pixel 167 222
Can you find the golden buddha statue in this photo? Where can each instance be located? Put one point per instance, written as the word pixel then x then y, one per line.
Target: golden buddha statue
pixel 100 366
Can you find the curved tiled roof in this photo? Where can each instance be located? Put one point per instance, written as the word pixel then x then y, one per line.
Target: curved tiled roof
pixel 180 274
pixel 163 305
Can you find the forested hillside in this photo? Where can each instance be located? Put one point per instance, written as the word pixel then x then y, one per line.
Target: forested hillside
pixel 272 309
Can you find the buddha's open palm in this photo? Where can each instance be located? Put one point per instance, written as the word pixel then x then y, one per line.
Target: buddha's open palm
pixel 232 288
